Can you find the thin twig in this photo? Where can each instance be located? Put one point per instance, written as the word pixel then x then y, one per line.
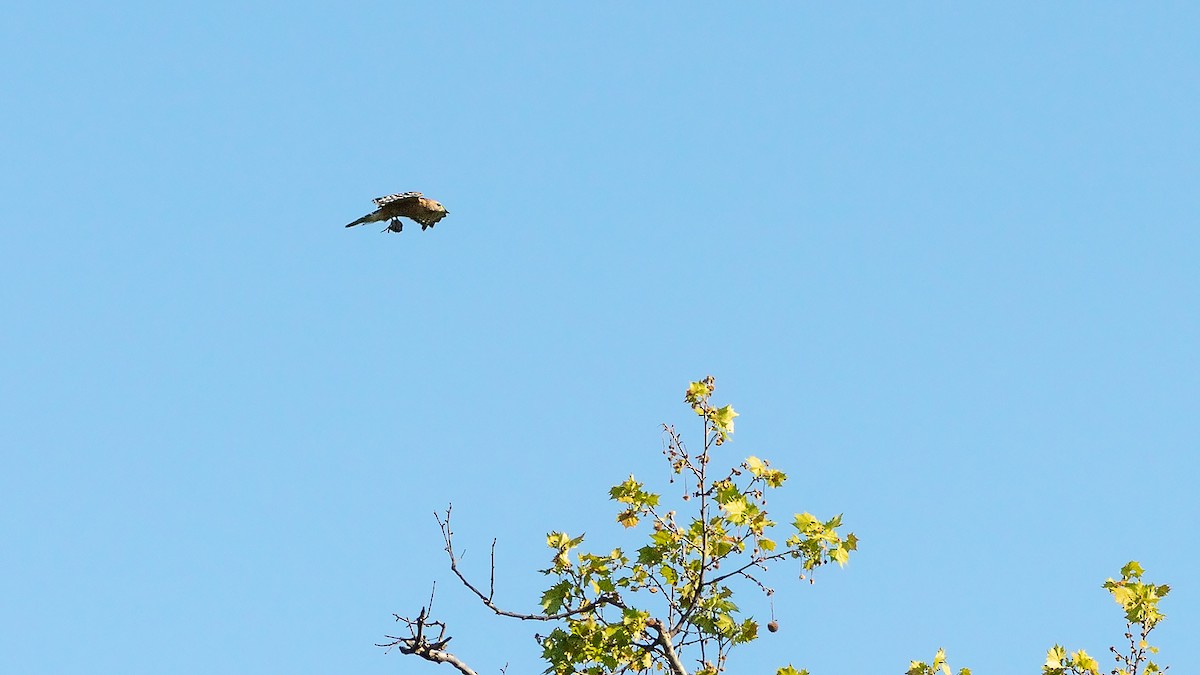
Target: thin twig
pixel 492 582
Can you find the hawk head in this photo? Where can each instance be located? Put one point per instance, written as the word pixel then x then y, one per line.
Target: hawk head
pixel 431 212
pixel 434 205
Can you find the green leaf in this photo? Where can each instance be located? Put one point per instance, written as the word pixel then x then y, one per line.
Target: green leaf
pixel 748 632
pixel 735 511
pixel 725 625
pixel 1081 660
pixel 756 466
pixel 696 391
pixel 554 597
pixel 723 418
pixel 840 555
pixel 628 518
pixel 727 491
pixel 626 492
pixel 1122 594
pixel 649 555
pixel 669 575
pixel 564 543
pixel 1055 657
pixel 804 522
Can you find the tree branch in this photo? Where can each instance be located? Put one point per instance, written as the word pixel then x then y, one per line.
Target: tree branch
pixel 662 639
pixel 447 535
pixel 418 644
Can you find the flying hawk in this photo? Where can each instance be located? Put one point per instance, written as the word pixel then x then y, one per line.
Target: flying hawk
pixel 412 205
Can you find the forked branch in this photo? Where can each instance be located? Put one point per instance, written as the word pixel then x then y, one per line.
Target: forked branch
pixel 419 643
pixel 448 535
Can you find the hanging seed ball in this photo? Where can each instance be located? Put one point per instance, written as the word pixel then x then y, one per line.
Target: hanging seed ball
pixel 773 626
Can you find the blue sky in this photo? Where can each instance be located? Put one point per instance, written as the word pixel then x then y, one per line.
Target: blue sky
pixel 942 257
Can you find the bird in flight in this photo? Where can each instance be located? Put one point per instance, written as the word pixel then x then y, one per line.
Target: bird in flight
pixel 411 205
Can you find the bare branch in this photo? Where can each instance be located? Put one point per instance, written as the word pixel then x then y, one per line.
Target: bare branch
pixel 447 536
pixel 492 582
pixel 418 644
pixel 756 562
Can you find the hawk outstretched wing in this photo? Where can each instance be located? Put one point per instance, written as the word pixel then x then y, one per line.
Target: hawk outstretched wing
pixel 411 205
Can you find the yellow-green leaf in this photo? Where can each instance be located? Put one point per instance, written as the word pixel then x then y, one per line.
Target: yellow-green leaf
pixel 627 518
pixel 756 466
pixel 736 511
pixel 723 418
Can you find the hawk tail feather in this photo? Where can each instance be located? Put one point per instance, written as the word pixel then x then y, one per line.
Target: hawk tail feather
pixel 360 221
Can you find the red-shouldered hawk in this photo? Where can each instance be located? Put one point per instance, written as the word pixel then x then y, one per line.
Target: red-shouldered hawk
pixel 412 205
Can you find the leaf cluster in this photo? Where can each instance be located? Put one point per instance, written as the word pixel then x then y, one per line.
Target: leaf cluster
pixel 938 665
pixel 674 594
pixel 1139 600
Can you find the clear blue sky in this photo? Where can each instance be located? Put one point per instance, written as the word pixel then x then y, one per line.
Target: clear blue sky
pixel 942 257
